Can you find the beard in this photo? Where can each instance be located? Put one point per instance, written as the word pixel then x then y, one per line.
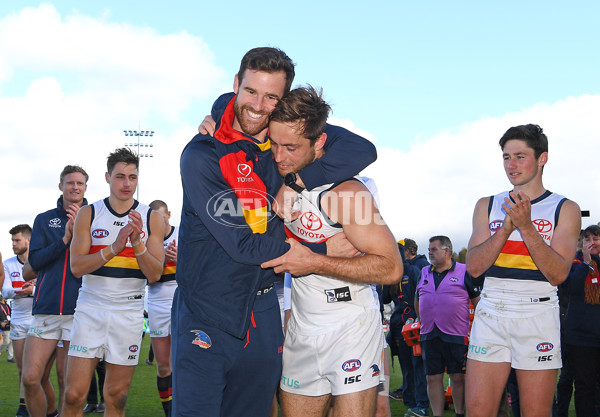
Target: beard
pixel 249 126
pixel 19 251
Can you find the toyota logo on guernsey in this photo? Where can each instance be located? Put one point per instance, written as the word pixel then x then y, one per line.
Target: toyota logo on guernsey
pixel 245 170
pixel 311 221
pixel 227 208
pixel 55 222
pixel 542 225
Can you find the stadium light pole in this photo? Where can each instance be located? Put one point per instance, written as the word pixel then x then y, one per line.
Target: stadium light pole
pixel 138 134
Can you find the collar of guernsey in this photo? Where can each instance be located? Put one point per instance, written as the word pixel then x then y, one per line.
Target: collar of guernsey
pixel 252 192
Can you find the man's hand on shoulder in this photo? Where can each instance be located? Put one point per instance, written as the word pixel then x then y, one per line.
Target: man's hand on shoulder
pixel 208 126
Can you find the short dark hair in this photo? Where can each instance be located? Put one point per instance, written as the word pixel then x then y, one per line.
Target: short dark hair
pixel 270 60
pixel 304 105
pixel 411 246
pixel 444 242
pixel 122 155
pixel 24 229
pixel 531 134
pixel 69 169
pixel 158 204
pixel 592 230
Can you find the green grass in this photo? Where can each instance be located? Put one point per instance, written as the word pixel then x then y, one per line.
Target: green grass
pixel 143 397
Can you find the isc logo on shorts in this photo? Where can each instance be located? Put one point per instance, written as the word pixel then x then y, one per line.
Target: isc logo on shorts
pixel 351 365
pixel 338 294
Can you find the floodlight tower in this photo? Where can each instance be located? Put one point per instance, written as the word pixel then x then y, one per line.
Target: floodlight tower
pixel 138 145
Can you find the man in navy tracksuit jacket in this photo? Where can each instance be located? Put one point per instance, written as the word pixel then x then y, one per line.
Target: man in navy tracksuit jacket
pixel 227 338
pixel 56 289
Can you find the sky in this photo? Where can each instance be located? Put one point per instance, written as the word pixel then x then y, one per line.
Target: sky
pixel 433 84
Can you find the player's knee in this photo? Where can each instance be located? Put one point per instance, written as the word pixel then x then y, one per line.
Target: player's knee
pixel 74 397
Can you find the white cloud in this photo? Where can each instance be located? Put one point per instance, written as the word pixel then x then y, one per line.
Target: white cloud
pixel 432 189
pixel 70 83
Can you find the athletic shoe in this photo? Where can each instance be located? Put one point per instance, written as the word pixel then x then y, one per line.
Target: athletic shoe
pixel 417 412
pixel 89 408
pixel 149 362
pixel 100 409
pixel 11 360
pixel 22 411
pixel 396 395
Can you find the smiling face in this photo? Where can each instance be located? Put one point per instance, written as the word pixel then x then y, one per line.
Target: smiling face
pixel 257 96
pixel 520 164
pixel 291 150
pixel 123 181
pixel 73 188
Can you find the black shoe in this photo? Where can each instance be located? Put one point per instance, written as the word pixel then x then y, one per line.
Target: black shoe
pixel 89 408
pixel 396 395
pixel 11 360
pixel 100 409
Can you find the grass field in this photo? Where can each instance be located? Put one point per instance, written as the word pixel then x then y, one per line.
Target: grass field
pixel 143 397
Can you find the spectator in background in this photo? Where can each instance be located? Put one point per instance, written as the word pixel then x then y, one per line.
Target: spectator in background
pixel 442 304
pixel 410 251
pixel 414 384
pixel 582 332
pixel 96 387
pixel 5 312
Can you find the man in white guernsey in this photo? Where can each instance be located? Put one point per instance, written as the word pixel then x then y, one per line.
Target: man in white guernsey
pixel 160 300
pixel 334 340
pixel 117 246
pixel 524 242
pixel 21 291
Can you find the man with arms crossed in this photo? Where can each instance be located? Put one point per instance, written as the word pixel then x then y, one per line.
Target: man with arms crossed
pixel 56 290
pixel 226 322
pixel 334 340
pixel 160 301
pixel 524 242
pixel 117 245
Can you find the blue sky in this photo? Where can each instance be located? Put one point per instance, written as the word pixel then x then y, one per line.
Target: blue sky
pixel 433 84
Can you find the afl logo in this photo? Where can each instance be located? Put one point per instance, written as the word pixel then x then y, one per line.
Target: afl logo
pixel 311 221
pixel 544 347
pixel 133 348
pixel 15 275
pixel 496 225
pixel 99 233
pixel 542 225
pixel 244 169
pixel 351 365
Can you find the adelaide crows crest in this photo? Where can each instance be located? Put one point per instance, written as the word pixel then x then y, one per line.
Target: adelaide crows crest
pixel 201 339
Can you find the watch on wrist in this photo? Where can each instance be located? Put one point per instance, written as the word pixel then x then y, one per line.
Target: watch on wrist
pixel 290 181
